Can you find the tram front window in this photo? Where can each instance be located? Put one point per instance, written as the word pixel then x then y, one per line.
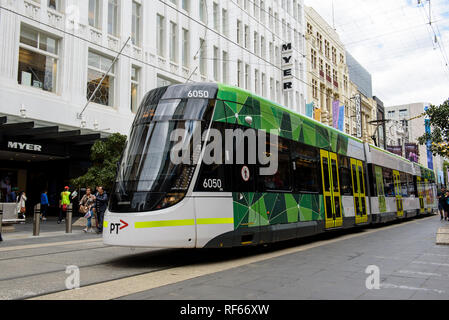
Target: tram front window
pixel 148 179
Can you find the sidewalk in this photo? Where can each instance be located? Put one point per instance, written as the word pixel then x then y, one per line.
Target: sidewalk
pixel 49 228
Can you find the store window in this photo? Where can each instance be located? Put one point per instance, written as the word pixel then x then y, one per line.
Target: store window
pixel 98 66
pixel 38 60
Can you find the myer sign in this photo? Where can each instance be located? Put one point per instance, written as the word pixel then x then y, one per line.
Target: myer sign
pixel 287 67
pixel 24 146
pixel 358 114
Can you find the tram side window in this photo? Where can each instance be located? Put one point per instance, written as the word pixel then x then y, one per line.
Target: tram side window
pixel 388 182
pixel 306 163
pixel 404 189
pixel 411 186
pixel 345 176
pixel 213 175
pixel 280 181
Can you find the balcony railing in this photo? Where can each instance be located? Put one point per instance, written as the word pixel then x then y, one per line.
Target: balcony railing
pixel 329 79
pixel 321 73
pixel 335 84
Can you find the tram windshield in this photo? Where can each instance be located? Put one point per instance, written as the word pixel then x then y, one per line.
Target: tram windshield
pixel 148 179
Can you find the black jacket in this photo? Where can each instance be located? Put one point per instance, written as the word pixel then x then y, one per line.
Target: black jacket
pixel 102 202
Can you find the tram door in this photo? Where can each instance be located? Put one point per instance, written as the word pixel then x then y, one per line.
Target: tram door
pixel 331 189
pixel 358 186
pixel 398 192
pixel 420 194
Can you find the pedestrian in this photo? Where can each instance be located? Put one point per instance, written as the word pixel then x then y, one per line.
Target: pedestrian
pixel 100 207
pixel 441 201
pixel 63 204
pixel 86 206
pixel 44 205
pixel 446 205
pixel 21 205
pixel 12 196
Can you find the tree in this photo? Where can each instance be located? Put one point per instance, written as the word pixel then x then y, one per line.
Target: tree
pixel 104 155
pixel 439 136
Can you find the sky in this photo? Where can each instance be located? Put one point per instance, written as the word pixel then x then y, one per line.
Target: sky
pixel 393 40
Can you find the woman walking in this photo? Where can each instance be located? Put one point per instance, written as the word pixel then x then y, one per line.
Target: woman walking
pixel 86 205
pixel 21 206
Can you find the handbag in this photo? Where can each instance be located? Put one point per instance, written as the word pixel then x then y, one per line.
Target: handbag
pixel 83 209
pixel 64 207
pixel 23 210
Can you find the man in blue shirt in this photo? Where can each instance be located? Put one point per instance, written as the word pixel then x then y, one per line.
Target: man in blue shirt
pixel 44 205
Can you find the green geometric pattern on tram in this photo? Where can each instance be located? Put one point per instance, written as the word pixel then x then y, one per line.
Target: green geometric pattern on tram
pixel 269 116
pixel 263 209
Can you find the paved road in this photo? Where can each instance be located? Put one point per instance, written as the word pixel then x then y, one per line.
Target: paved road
pixel 324 267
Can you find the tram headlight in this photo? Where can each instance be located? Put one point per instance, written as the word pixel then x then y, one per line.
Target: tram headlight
pixel 171 199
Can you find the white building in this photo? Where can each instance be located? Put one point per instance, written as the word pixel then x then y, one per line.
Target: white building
pixel 53 53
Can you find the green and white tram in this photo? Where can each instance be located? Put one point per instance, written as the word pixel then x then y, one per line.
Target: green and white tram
pixel 325 179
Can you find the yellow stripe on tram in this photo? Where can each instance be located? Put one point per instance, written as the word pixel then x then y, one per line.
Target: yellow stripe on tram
pixel 182 223
pixel 215 221
pixel 167 223
pixel 105 224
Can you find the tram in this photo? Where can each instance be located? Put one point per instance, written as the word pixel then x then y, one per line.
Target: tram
pixel 325 180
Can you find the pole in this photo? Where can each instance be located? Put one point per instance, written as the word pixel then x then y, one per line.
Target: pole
pixel 37 220
pixel 68 219
pixel 104 77
pixel 1 222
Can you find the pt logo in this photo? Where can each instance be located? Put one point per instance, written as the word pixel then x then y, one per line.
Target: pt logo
pixel 373 281
pixel 117 227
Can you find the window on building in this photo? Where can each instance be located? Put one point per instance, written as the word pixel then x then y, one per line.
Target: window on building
pixel 391 114
pixel 185 48
pixel 94 14
pixel 216 13
pixel 315 88
pixel 202 8
pixel 113 17
pixel 135 77
pixel 262 11
pixel 186 5
pixel 247 75
pixel 327 48
pixel 309 29
pixel 54 4
pixel 264 85
pixel 272 92
pixel 246 37
pixel 98 65
pixel 203 57
pixel 38 60
pixel 278 92
pixel 239 73
pixel 276 22
pixel 313 58
pixel 334 55
pixel 239 32
pixel 160 35
pixel 224 22
pixel 403 113
pixel 256 81
pixel 135 33
pixel 256 43
pixel 270 48
pixel 263 48
pixel 270 19
pixel 216 64
pixel 173 41
pixel 225 67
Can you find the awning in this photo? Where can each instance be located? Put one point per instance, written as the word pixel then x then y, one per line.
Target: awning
pixel 43 140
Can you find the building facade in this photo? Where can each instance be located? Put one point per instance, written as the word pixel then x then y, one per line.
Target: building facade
pixel 55 55
pixel 404 127
pixel 55 52
pixel 332 91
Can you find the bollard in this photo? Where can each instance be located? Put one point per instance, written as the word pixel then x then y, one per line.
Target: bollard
pixel 1 223
pixel 37 220
pixel 68 219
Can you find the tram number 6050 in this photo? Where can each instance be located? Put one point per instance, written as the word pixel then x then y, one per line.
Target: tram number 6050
pixel 198 94
pixel 212 183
